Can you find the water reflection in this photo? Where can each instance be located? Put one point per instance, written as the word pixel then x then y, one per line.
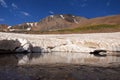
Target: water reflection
pixel 59 57
pixel 73 58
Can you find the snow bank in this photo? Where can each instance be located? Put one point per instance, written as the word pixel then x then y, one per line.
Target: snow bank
pixel 66 42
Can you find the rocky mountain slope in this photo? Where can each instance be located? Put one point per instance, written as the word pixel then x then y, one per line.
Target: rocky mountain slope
pixel 24 26
pixel 58 22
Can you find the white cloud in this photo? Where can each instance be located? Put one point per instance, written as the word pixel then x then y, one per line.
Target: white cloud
pixel 51 12
pixel 25 13
pixel 14 6
pixel 3 3
pixel 1 19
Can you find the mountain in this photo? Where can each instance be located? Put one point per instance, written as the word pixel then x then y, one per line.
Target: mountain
pixel 51 23
pixel 67 22
pixel 58 22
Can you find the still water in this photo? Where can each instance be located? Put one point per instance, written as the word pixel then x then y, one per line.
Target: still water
pixel 70 72
pixel 59 58
pixel 73 58
pixel 33 70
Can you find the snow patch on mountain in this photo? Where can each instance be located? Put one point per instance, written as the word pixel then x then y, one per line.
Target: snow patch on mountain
pixel 76 21
pixel 51 16
pixel 62 16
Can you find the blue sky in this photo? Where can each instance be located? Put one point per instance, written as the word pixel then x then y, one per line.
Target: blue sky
pixel 19 11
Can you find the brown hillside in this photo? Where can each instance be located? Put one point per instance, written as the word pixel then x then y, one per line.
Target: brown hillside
pixel 112 20
pixel 3 27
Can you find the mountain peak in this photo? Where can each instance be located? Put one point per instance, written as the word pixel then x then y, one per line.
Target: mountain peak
pixel 66 17
pixel 59 21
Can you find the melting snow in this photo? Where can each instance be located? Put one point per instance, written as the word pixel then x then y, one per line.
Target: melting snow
pixel 76 21
pixel 62 16
pixel 51 16
pixel 30 24
pixel 9 27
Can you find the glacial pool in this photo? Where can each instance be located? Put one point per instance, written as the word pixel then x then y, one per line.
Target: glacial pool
pixel 59 66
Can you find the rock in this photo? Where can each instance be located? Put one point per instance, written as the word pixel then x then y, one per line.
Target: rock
pixel 40 50
pixel 9 45
pixel 14 46
pixel 99 52
pixel 36 49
